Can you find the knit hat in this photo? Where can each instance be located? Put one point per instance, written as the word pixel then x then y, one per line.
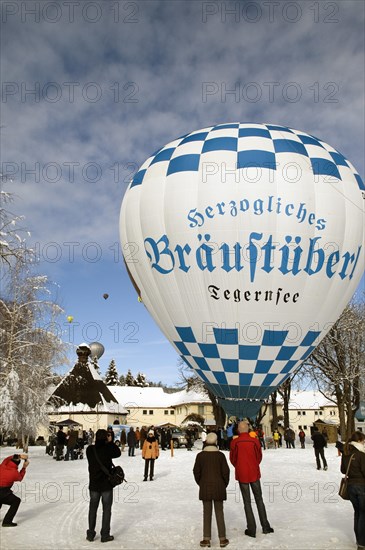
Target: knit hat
pixel 151 432
pixel 211 439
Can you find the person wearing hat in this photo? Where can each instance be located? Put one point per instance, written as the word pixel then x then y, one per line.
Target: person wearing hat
pixel 211 472
pixel 99 457
pixel 246 455
pixel 9 473
pixel 150 453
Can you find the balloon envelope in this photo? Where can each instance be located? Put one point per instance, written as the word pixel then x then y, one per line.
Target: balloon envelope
pixel 105 296
pixel 70 318
pixel 246 243
pixel 97 350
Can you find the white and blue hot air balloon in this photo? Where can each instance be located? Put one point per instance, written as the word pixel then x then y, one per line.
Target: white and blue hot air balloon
pixel 245 242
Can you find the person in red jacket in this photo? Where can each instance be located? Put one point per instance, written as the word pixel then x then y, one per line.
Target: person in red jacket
pixel 246 455
pixel 9 473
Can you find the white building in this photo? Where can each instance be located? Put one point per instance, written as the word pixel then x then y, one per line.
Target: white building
pixel 153 406
pixel 305 408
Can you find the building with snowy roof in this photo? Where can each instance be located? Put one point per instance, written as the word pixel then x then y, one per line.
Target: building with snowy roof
pixel 154 406
pixel 83 396
pixel 306 409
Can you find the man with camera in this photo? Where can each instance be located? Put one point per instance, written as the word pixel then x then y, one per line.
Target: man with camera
pixel 9 473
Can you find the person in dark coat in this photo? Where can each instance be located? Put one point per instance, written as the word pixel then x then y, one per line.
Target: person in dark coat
pixel 189 439
pixel 211 472
pixel 163 439
pixel 354 451
pixel 143 436
pixel 71 444
pixel 9 473
pixel 246 456
pixel 123 439
pixel 131 441
pixel 99 485
pixel 319 444
pixel 61 442
pixel 302 438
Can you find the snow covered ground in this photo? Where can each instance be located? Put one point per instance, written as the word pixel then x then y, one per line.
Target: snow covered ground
pixel 301 502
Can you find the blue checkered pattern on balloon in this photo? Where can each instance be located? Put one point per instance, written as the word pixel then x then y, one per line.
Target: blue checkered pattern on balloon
pixel 254 145
pixel 249 370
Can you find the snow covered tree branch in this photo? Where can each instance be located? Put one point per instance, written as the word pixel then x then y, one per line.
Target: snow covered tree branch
pixel 31 348
pixel 337 364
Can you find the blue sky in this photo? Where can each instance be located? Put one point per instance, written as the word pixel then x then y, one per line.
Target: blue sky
pixel 91 90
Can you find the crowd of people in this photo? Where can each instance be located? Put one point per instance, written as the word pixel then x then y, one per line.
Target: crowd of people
pixel 211 472
pixel 68 445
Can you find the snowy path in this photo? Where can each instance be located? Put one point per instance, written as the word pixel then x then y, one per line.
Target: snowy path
pixel 302 505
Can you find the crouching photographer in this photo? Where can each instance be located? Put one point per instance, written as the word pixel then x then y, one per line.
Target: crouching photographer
pixel 9 473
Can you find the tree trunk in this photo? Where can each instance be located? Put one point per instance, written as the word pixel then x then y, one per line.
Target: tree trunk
pixel 274 423
pixel 350 417
pixel 284 391
pixel 341 413
pixel 25 442
pixel 261 414
pixel 218 412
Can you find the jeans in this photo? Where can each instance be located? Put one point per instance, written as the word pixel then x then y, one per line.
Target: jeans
pixel 70 453
pixel 250 518
pixel 320 453
pixel 107 501
pixel 7 497
pixel 357 498
pixel 207 518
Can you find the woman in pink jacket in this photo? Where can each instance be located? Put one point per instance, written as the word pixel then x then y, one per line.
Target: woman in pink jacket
pixel 150 452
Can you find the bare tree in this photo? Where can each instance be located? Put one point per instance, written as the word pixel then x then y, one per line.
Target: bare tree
pixel 30 349
pixel 275 419
pixel 193 382
pixel 337 364
pixel 262 412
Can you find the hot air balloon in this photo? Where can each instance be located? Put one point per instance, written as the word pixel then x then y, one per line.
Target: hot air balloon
pixel 105 296
pixel 97 350
pixel 246 245
pixel 70 318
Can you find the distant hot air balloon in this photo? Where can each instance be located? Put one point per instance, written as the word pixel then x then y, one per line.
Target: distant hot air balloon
pixel 97 350
pixel 105 296
pixel 70 318
pixel 247 245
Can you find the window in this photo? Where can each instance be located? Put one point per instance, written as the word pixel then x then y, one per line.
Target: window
pixel 299 412
pixel 304 413
pixel 172 411
pixel 201 409
pixel 305 427
pixel 300 427
pixel 144 411
pixel 166 412
pixel 320 413
pixel 150 411
pixel 315 413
